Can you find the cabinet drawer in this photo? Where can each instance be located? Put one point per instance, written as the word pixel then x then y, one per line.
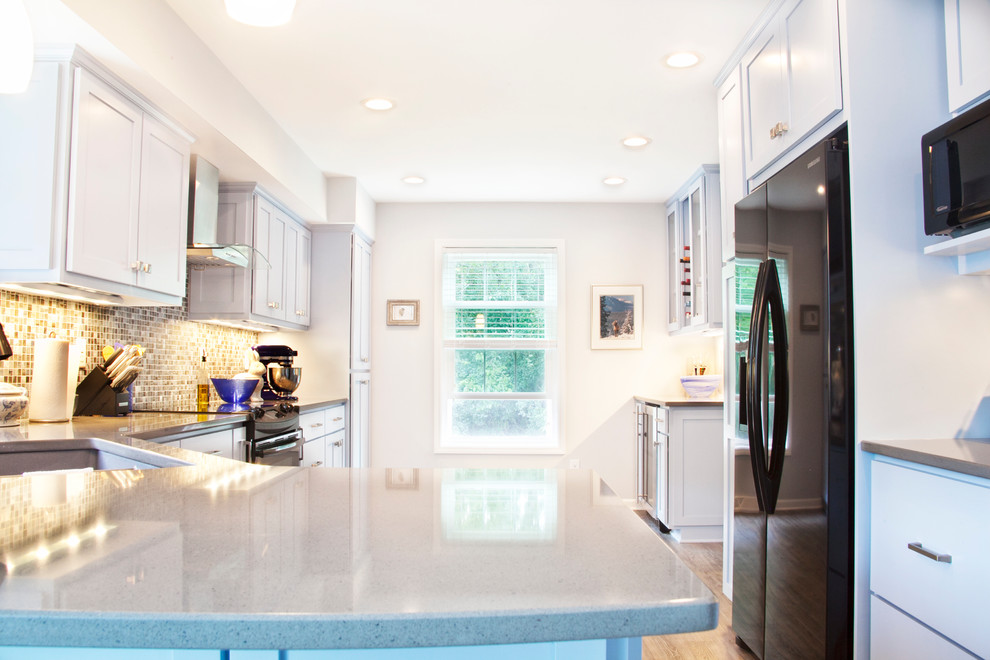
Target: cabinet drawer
pixel 218 443
pixel 334 418
pixel 896 635
pixel 313 424
pixel 945 516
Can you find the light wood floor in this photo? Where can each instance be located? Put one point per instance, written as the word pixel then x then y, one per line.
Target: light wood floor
pixel 705 559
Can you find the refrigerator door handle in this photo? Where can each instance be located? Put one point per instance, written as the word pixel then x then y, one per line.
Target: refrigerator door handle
pixel 742 392
pixel 754 389
pixel 781 385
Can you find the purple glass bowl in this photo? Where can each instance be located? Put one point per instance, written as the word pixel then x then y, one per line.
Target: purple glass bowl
pixel 235 390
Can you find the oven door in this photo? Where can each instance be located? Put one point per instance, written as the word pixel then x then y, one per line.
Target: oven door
pixel 282 449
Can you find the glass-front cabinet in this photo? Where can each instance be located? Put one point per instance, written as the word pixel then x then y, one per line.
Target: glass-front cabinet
pixel 694 301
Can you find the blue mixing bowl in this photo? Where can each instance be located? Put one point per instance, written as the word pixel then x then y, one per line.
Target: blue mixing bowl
pixel 235 390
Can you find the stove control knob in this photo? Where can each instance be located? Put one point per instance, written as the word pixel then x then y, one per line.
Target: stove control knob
pixel 285 408
pixel 258 413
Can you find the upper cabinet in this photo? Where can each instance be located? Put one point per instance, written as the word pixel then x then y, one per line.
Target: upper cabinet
pixel 694 255
pixel 790 79
pixel 732 171
pixel 99 209
pixel 967 50
pixel 360 304
pixel 275 296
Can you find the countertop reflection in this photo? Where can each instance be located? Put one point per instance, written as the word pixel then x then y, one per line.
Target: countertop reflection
pixel 333 558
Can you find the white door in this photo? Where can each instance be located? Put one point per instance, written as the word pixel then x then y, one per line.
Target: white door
pixel 269 236
pixel 104 182
pixel 360 305
pixel 164 208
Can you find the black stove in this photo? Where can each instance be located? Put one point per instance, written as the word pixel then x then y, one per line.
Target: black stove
pixel 273 435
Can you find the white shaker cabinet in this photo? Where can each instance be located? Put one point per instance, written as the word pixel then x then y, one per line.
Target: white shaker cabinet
pixel 261 296
pixel 731 158
pixel 106 187
pixel 791 79
pixel 967 50
pixel 360 304
pixel 326 437
pixel 694 255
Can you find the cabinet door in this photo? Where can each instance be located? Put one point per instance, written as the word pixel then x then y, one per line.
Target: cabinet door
pixel 290 248
pixel 269 236
pixel 894 634
pixel 299 310
pixel 360 305
pixel 314 453
pixel 29 124
pixel 694 223
pixel 811 58
pixel 360 420
pixel 765 100
pixel 104 182
pixel 967 52
pixel 164 208
pixel 336 449
pixel 695 471
pixel 731 158
pixel 219 443
pixel 677 270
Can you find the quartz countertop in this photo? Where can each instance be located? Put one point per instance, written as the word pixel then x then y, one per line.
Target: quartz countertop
pixel 672 402
pixel 237 556
pixel 967 456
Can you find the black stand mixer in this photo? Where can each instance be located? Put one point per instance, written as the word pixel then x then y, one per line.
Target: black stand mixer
pixel 281 378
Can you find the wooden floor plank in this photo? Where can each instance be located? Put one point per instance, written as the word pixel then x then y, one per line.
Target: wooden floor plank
pixel 705 559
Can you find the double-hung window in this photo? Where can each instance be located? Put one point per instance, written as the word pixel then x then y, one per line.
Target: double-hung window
pixel 499 348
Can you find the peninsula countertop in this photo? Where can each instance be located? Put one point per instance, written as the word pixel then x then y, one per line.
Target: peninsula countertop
pixel 967 456
pixel 230 555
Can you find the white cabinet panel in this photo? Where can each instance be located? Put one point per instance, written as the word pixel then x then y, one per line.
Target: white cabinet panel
pixel 896 635
pixel 104 183
pixel 313 424
pixel 314 453
pixel 269 239
pixel 301 267
pixel 164 204
pixel 909 506
pixel 967 50
pixel 791 79
pixel 336 448
pixel 360 304
pixel 218 443
pixel 360 420
pixel 731 158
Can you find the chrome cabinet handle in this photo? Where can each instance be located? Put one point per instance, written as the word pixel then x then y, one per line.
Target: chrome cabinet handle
pixel 337 419
pixel 317 464
pixel 925 552
pixel 338 443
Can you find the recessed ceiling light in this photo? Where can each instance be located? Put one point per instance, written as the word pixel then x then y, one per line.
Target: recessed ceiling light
pixel 682 60
pixel 613 181
pixel 413 180
pixel 378 104
pixel 261 13
pixel 636 141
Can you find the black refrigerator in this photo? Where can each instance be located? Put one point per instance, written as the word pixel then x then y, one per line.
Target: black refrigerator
pixel 793 376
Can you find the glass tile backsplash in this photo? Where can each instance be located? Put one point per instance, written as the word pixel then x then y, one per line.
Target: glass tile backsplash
pixel 172 343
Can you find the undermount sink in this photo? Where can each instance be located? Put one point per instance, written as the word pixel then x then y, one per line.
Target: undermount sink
pixel 20 456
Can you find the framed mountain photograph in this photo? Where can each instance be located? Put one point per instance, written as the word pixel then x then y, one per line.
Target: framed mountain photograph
pixel 616 317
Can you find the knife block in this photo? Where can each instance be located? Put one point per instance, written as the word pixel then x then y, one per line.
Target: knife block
pixel 95 397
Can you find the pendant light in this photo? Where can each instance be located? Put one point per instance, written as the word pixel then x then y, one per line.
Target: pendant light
pixel 261 13
pixel 16 47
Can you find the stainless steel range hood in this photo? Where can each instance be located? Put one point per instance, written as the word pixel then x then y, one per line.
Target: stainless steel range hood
pixel 203 249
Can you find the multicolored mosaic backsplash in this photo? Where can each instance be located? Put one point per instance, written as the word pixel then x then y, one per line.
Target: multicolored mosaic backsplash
pixel 172 344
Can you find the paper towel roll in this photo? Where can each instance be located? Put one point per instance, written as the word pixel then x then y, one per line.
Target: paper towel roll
pixel 49 381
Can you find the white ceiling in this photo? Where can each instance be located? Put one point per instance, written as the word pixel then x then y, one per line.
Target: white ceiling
pixel 517 100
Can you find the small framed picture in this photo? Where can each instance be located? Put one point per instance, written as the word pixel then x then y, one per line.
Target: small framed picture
pixel 402 312
pixel 617 317
pixel 810 318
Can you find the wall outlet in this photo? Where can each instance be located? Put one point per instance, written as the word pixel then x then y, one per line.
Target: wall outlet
pixel 574 464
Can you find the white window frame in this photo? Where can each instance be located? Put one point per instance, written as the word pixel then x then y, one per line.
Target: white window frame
pixel 443 371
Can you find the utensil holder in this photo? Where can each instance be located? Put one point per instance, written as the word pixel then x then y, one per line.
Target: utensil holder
pixel 95 397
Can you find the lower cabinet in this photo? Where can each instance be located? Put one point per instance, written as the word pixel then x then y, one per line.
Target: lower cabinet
pixel 218 443
pixel 680 467
pixel 928 568
pixel 326 439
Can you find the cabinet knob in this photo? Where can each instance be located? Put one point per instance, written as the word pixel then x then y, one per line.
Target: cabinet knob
pixel 136 265
pixel 337 419
pixel 317 464
pixel 300 312
pixel 271 304
pixel 778 129
pixel 146 268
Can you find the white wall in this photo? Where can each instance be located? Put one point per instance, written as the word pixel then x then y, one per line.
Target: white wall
pixel 922 355
pixel 604 244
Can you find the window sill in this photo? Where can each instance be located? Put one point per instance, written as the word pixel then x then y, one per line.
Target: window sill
pixel 510 451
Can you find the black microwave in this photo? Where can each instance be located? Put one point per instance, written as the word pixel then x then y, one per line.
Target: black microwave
pixel 956 173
